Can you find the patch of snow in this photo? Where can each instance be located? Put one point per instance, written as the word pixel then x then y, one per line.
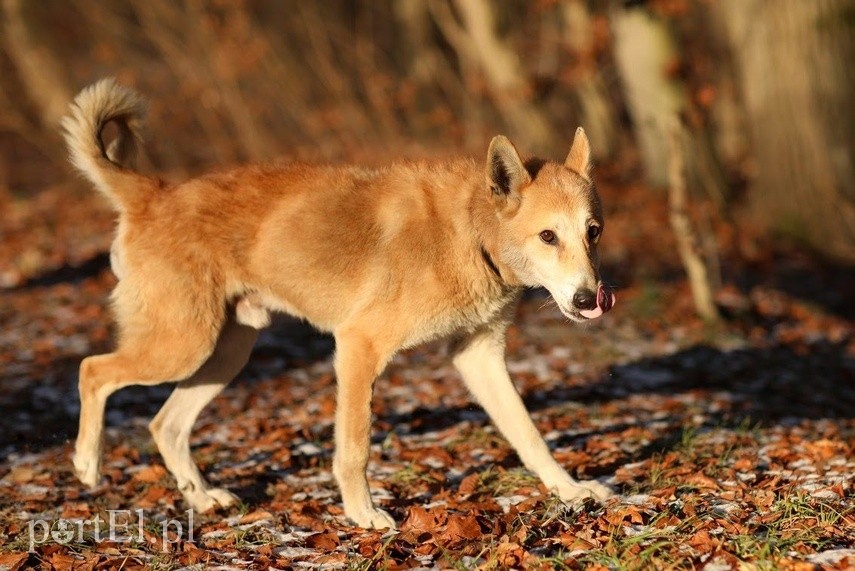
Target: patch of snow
pixel 293 552
pixel 309 449
pixel 507 501
pixel 718 564
pixel 831 557
pixel 635 529
pixel 725 509
pixel 827 495
pixel 636 499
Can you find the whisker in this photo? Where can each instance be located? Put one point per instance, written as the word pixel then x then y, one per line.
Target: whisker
pixel 549 301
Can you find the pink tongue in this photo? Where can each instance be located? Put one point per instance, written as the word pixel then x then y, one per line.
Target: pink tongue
pixel 605 301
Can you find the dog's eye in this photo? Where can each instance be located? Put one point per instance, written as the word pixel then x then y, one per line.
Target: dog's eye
pixel 593 233
pixel 548 237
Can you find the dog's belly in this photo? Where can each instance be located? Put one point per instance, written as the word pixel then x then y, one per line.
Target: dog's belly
pixel 414 323
pixel 254 309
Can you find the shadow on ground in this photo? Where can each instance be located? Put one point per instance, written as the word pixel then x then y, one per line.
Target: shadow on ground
pixel 44 412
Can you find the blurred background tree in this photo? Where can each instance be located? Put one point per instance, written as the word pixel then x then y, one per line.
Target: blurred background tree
pixel 762 88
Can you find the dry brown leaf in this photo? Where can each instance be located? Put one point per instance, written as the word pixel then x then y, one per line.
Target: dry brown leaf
pixel 370 545
pixel 703 541
pixel 419 519
pixel 470 483
pixel 21 474
pixel 152 496
pixel 13 561
pixel 255 516
pixel 824 448
pixel 331 559
pixel 572 541
pixel 62 561
pixel 510 555
pixel 76 510
pixel 702 482
pixel 192 555
pixel 744 464
pixel 460 528
pixel 325 541
pixel 150 474
pixel 793 565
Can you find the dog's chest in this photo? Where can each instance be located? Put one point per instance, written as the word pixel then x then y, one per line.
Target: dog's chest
pixel 464 315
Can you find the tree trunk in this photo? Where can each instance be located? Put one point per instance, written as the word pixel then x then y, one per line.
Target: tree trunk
pixel 477 42
pixel 689 245
pixel 795 64
pixel 644 51
pixel 40 72
pixel 597 112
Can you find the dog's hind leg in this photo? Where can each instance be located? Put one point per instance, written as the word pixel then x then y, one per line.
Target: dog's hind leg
pixel 172 425
pixel 359 359
pixel 481 362
pixel 156 346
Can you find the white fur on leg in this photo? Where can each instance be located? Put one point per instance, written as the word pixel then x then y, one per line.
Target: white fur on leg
pixel 87 466
pixel 203 500
pixel 172 425
pixel 171 432
pixel 358 506
pixel 482 365
pixel 572 491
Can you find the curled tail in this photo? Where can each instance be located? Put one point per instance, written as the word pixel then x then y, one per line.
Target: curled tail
pixel 108 169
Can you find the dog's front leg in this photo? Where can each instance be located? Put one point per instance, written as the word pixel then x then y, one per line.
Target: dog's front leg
pixel 357 363
pixel 481 362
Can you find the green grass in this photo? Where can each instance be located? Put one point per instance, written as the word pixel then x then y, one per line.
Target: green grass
pixel 413 476
pixel 477 437
pixel 500 482
pixel 379 562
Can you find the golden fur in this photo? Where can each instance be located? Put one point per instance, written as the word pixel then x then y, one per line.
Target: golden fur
pixel 383 258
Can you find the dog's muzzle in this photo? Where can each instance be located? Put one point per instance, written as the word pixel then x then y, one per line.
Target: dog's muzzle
pixel 605 300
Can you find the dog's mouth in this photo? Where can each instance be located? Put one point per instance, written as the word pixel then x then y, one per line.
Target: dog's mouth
pixel 605 302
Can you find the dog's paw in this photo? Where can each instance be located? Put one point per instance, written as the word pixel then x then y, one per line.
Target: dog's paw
pixel 599 492
pixel 574 492
pixel 87 469
pixel 204 500
pixel 373 518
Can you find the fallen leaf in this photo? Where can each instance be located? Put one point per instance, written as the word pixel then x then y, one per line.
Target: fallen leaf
pixel 420 519
pixel 150 474
pixel 325 541
pixel 13 561
pixel 21 474
pixel 460 528
pixel 470 483
pixel 254 516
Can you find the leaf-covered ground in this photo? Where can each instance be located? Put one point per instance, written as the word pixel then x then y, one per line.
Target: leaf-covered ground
pixel 731 447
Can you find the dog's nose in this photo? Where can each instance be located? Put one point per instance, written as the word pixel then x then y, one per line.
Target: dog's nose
pixel 585 299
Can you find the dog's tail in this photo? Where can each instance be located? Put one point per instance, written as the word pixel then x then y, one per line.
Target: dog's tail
pixel 109 169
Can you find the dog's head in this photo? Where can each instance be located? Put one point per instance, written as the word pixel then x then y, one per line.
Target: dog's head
pixel 550 222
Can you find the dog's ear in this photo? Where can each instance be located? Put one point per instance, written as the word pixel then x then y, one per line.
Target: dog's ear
pixel 506 174
pixel 579 158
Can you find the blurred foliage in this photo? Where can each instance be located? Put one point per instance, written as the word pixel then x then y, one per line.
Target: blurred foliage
pixel 763 90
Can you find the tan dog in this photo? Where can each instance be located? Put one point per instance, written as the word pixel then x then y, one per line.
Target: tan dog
pixel 384 259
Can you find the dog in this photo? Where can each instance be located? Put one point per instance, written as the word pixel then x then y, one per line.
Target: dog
pixel 383 258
